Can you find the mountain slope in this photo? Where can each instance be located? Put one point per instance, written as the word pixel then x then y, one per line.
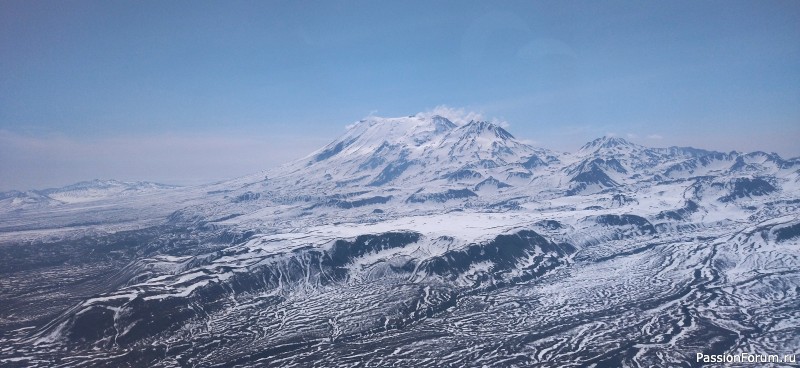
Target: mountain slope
pixel 416 241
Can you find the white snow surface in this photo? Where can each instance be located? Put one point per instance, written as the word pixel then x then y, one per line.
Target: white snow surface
pixel 454 186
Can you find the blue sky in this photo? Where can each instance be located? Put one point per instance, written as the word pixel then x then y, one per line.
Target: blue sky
pixel 188 91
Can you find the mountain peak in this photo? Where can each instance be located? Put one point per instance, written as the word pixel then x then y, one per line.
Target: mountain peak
pixel 607 143
pixel 442 124
pixel 375 133
pixel 380 150
pixel 479 127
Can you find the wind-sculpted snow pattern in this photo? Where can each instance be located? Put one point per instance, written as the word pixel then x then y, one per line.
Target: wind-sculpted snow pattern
pixel 413 242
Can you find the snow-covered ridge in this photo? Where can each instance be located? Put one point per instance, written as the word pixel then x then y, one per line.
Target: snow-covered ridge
pixel 85 191
pixel 96 189
pixel 421 236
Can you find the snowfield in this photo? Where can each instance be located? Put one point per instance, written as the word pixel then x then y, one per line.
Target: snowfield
pixel 413 242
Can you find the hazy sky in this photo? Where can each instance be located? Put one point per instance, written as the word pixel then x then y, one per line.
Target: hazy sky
pixel 187 92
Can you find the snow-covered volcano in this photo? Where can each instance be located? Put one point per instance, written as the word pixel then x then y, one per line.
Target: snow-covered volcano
pixel 386 167
pixel 400 151
pixel 415 241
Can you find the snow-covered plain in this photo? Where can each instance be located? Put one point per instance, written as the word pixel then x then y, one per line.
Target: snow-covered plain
pixel 417 242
